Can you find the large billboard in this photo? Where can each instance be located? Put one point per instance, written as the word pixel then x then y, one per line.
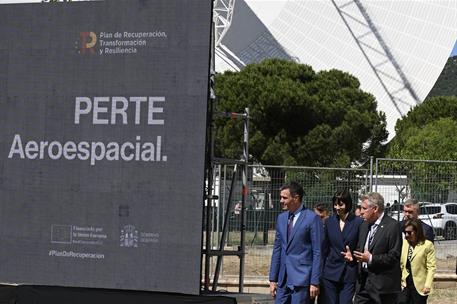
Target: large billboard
pixel 102 143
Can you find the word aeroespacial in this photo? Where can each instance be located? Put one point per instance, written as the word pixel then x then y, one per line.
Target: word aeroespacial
pixel 84 150
pixel 102 111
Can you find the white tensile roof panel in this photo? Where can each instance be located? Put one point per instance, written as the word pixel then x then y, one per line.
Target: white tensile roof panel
pixel 419 35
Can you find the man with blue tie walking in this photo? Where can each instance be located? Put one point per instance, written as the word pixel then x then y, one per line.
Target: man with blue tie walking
pixel 296 260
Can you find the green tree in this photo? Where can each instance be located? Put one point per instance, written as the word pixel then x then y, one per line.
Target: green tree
pixel 435 141
pixel 427 132
pixel 298 116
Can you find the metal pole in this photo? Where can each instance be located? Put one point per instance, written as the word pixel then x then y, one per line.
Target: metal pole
pixel 376 181
pixel 208 227
pixel 209 157
pixel 266 204
pixel 224 230
pixel 371 173
pixel 244 197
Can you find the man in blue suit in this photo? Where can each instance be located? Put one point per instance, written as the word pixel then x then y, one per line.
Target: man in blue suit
pixel 296 260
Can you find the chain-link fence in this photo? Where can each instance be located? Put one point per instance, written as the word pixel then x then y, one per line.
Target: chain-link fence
pixel 434 185
pixel 262 206
pixel 431 182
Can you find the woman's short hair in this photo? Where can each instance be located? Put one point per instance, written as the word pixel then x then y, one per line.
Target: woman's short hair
pixel 343 196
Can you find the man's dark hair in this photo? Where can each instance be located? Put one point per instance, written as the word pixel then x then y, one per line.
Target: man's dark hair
pixel 417 227
pixel 321 207
pixel 343 196
pixel 294 189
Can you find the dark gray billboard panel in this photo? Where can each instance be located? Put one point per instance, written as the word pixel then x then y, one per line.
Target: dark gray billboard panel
pixel 102 141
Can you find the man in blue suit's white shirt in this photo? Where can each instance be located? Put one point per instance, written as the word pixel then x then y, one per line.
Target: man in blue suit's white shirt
pixel 296 260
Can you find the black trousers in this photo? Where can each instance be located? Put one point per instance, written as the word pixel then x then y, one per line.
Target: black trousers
pixel 410 295
pixel 367 295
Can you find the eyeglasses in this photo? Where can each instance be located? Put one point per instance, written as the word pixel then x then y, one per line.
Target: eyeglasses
pixel 409 232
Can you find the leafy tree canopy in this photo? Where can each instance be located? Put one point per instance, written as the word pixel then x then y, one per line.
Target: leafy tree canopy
pixel 428 131
pixel 298 116
pixel 435 140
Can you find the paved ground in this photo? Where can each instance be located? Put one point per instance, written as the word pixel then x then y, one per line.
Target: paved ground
pixel 257 260
pixel 440 296
pixel 258 263
pixel 446 249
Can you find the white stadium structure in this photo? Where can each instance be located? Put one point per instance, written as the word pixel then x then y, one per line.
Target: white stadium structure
pixel 396 48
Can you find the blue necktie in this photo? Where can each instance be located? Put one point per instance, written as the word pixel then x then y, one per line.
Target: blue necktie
pixel 290 225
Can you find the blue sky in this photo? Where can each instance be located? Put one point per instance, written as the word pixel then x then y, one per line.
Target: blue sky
pixel 454 50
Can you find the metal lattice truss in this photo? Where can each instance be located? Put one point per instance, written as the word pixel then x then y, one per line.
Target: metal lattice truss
pixel 223 12
pixel 378 55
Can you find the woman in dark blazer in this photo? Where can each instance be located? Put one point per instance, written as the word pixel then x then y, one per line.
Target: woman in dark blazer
pixel 341 235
